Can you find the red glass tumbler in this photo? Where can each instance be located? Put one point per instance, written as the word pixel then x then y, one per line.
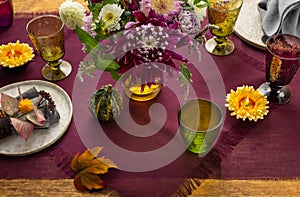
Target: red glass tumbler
pixel 6 13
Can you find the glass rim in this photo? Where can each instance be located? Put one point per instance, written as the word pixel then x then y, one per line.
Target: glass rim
pixel 3 1
pixel 42 16
pixel 208 101
pixel 284 58
pixel 229 10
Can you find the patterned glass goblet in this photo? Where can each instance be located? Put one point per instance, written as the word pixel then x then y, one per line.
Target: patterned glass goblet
pixel 282 63
pixel 222 13
pixel 47 35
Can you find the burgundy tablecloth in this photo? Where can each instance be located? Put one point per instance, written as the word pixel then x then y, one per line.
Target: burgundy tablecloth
pixel 54 162
pixel 266 149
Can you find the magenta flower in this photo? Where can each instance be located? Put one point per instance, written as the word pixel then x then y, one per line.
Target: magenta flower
pixel 153 31
pixel 131 5
pixel 150 46
pixel 168 8
pixel 153 19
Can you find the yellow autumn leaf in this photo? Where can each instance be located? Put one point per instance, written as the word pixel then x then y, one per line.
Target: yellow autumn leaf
pixel 88 155
pixel 96 150
pixel 96 169
pixel 88 166
pixel 78 184
pixel 75 163
pixel 91 181
pixel 108 162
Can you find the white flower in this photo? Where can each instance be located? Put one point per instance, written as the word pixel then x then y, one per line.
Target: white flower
pixel 110 14
pixel 200 12
pixel 190 2
pixel 72 14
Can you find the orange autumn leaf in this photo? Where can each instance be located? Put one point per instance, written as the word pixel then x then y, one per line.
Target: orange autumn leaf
pixel 88 181
pixel 78 184
pixel 88 166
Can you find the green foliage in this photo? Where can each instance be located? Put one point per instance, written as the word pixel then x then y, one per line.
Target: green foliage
pixel 87 69
pixel 185 77
pixel 86 39
pixel 198 3
pixel 107 65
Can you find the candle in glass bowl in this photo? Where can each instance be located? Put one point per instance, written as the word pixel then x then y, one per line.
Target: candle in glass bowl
pixel 6 13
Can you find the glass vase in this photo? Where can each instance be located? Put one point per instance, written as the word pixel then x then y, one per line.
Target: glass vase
pixel 141 91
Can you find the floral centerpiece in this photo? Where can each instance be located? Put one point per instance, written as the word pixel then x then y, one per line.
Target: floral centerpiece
pixel 132 32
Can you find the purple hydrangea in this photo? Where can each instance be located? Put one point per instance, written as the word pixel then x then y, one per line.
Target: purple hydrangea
pixel 189 23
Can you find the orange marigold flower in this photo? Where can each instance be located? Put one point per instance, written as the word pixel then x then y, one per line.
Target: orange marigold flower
pixel 25 105
pixel 15 54
pixel 246 102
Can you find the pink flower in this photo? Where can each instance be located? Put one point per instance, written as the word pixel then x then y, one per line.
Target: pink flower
pixel 152 18
pixel 168 8
pixel 88 25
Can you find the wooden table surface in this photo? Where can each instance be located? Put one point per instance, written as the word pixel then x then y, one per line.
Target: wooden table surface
pixel 64 187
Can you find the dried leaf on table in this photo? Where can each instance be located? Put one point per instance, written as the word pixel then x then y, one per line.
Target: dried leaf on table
pixel 88 181
pixel 88 166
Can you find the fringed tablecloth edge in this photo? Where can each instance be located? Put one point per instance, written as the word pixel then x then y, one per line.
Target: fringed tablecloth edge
pixel 225 145
pixel 62 160
pixel 33 14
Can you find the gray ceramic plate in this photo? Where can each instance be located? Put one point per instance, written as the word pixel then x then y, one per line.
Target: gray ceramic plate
pixel 248 24
pixel 40 139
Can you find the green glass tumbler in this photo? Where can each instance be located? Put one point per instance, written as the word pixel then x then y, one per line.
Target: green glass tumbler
pixel 200 123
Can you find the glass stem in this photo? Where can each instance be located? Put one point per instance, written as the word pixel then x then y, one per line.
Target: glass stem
pixel 221 42
pixel 275 88
pixel 55 66
pixel 55 70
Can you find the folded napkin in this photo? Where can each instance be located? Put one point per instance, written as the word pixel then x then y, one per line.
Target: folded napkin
pixel 280 16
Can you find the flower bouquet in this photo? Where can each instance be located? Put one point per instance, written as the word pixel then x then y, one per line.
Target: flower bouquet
pixel 124 34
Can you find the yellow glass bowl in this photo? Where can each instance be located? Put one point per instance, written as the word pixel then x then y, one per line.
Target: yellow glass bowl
pixel 16 54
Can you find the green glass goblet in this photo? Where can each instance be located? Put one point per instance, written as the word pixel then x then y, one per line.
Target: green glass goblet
pixel 47 35
pixel 222 13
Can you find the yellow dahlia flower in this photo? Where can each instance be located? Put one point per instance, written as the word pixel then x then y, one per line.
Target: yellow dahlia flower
pixel 15 54
pixel 25 105
pixel 246 102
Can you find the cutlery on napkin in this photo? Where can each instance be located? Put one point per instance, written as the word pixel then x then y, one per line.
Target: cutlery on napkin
pixel 280 16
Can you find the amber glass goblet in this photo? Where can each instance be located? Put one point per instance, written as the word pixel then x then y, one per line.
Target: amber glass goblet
pixel 222 13
pixel 47 35
pixel 282 63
